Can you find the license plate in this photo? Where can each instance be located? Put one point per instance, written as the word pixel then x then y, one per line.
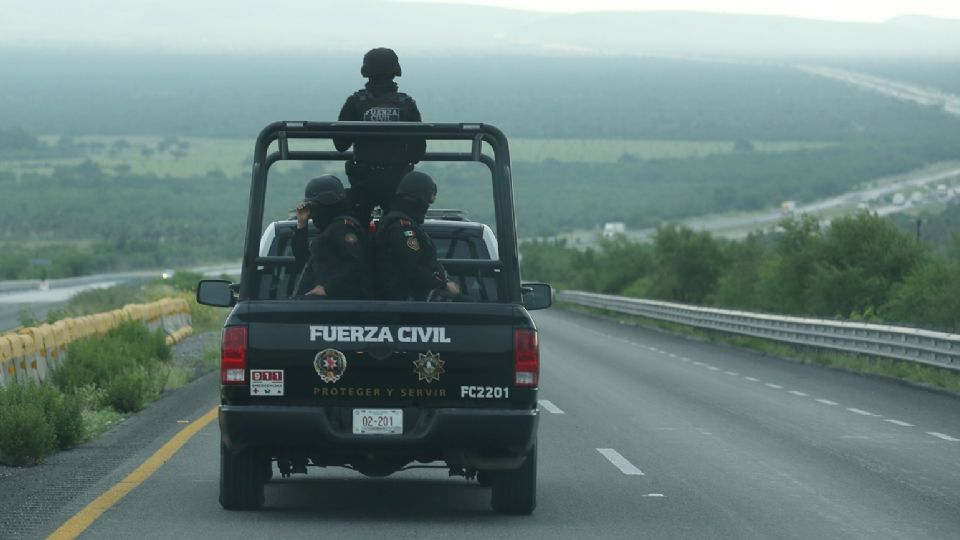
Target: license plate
pixel 378 421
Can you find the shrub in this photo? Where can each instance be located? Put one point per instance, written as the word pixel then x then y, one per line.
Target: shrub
pixel 26 435
pixel 35 420
pixel 127 365
pixel 131 390
pixel 98 360
pixel 65 413
pixel 140 344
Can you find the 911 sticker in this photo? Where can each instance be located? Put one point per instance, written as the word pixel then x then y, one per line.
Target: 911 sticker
pixel 266 382
pixel 485 392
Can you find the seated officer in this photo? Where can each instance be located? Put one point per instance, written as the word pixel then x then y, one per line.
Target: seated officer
pixel 406 258
pixel 336 264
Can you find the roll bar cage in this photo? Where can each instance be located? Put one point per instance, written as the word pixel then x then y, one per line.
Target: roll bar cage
pixel 282 132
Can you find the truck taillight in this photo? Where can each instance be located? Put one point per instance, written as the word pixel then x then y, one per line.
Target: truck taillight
pixel 233 355
pixel 526 357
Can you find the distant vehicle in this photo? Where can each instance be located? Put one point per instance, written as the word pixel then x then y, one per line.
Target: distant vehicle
pixel 916 197
pixel 614 228
pixel 166 274
pixel 380 386
pixel 787 208
pixel 899 199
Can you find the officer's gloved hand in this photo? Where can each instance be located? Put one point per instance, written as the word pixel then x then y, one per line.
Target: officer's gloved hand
pixel 449 293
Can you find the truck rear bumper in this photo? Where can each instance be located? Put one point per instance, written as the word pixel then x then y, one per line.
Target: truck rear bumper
pixel 494 432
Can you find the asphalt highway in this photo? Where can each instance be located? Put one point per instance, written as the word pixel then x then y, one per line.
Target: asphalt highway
pixel 37 302
pixel 643 434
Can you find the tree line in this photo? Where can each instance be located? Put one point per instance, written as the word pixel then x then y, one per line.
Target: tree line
pixel 861 267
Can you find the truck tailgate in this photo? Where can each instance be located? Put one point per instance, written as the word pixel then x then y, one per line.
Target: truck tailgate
pixel 383 354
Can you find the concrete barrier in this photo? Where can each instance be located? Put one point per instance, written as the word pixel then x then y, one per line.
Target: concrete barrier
pixel 34 353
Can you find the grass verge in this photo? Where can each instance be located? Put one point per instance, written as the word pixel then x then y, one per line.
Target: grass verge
pixel 924 375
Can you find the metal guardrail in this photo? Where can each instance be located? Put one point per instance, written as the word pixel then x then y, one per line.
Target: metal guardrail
pixel 911 344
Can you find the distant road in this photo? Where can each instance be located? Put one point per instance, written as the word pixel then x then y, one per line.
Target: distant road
pixel 904 91
pixel 740 225
pixel 27 295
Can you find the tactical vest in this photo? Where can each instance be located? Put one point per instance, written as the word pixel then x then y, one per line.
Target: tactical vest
pixel 387 107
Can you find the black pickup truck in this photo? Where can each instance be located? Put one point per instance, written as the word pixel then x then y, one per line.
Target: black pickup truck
pixel 379 386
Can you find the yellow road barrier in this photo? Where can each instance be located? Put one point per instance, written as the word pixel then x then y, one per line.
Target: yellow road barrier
pixel 33 353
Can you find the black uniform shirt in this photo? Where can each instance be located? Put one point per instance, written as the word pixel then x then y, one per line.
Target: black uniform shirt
pixel 406 259
pixel 339 259
pixel 381 102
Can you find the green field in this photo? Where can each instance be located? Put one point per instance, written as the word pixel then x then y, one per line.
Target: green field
pixel 142 155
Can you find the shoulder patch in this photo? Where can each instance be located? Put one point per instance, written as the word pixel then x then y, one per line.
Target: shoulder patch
pixel 405 222
pixel 351 238
pixel 413 244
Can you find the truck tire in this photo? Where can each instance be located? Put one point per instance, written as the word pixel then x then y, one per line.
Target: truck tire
pixel 515 492
pixel 241 479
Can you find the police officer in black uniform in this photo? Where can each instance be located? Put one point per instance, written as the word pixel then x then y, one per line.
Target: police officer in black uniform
pixel 406 258
pixel 337 264
pixel 378 164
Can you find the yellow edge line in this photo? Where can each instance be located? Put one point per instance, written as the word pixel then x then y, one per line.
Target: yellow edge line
pixel 75 526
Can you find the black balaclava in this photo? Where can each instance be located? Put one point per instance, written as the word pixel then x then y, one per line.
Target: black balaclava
pixel 414 207
pixel 323 215
pixel 415 194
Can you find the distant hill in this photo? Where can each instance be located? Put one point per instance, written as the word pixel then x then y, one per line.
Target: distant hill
pixel 313 26
pixel 714 35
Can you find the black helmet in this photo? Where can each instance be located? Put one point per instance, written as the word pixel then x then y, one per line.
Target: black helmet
pixel 380 61
pixel 419 186
pixel 324 190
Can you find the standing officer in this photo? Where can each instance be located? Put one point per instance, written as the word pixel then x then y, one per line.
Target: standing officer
pixel 406 258
pixel 336 264
pixel 378 164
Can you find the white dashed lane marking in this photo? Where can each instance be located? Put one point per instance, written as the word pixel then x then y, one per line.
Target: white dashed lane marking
pixel 620 462
pixel 549 406
pixel 627 468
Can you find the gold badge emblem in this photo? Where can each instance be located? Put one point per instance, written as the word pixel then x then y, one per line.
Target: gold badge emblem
pixel 413 243
pixel 330 365
pixel 428 367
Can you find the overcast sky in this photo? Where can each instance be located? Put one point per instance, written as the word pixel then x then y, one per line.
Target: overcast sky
pixel 847 10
